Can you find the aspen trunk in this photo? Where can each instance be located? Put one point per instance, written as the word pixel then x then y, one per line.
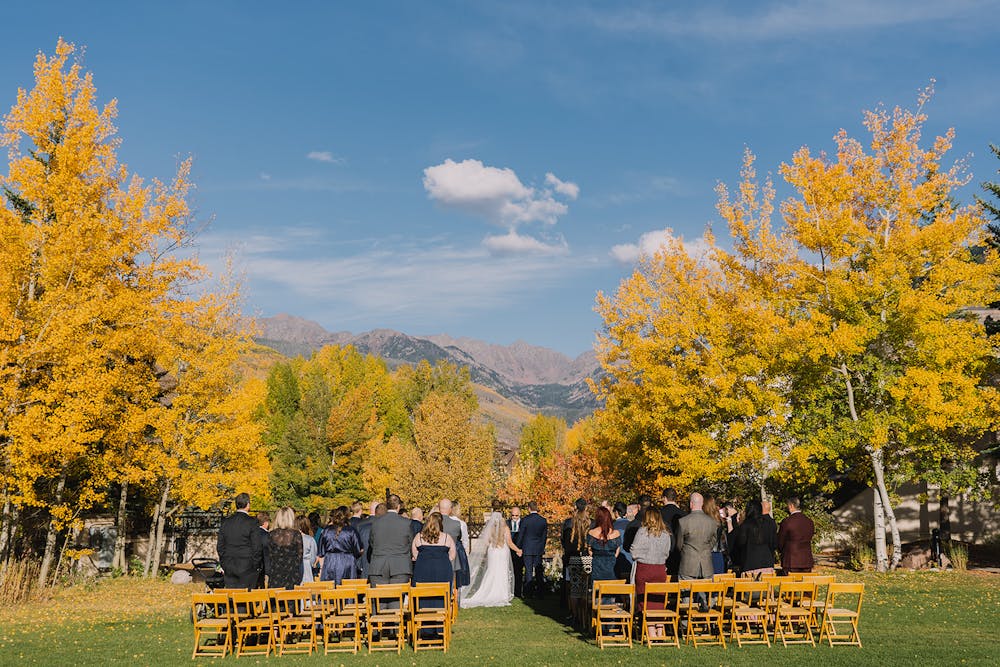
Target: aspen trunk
pixel 6 532
pixel 147 562
pixel 881 553
pixel 62 555
pixel 156 534
pixel 890 516
pixel 121 532
pixel 50 538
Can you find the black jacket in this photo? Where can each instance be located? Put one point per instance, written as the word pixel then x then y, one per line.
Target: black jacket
pixel 241 550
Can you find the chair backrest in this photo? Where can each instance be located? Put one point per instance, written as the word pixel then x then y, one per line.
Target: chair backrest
pixel 599 588
pixel 209 605
pixel 377 596
pixel 339 601
pixel 836 590
pixel 421 594
pixel 290 602
pixel 251 604
pixel 724 576
pixel 752 593
pixel 794 592
pixel 320 585
pixel 353 582
pixel 714 592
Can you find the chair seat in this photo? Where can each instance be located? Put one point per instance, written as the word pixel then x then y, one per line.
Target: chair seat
pixel 661 614
pixel 254 623
pixel 843 613
pixel 431 616
pixel 212 623
pixel 789 610
pixel 385 618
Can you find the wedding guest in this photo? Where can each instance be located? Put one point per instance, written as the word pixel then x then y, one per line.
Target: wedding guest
pixel 755 541
pixel 711 508
pixel 633 526
pixel 416 520
pixel 795 539
pixel 694 537
pixel 623 564
pixel 339 548
pixel 650 549
pixel 432 551
pixel 264 527
pixel 671 513
pixel 631 511
pixel 357 514
pixel 531 541
pixel 241 553
pixel 309 548
pixel 579 564
pixel 390 543
pixel 284 549
pixel 580 505
pixel 453 527
pixel 604 543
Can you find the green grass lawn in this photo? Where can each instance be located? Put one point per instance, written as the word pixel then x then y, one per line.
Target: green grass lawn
pixel 921 618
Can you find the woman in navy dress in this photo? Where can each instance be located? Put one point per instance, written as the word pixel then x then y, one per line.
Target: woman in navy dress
pixel 339 548
pixel 433 550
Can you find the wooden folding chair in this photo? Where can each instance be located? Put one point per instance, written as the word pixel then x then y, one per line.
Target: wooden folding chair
pixel 296 622
pixel 789 612
pixel 704 613
pixel 386 612
pixel 253 621
pixel 750 608
pixel 614 621
pixel 667 617
pixel 341 620
pixel 596 600
pixel 353 582
pixel 212 619
pixel 817 603
pixel 430 616
pixel 844 614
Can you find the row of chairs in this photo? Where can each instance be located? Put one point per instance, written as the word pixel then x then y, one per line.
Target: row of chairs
pixel 257 622
pixel 789 609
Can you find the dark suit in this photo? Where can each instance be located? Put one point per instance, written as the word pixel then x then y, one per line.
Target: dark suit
pixel 531 540
pixel 241 550
pixel 795 543
pixel 516 560
pixel 754 546
pixel 415 527
pixel 364 528
pixel 671 516
pixel 389 542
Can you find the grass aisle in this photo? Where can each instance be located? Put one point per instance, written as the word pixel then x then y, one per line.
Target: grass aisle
pixel 907 619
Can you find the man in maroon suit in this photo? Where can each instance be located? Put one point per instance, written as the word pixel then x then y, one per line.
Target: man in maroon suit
pixel 795 539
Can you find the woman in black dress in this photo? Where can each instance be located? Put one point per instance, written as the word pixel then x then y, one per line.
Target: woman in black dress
pixel 754 542
pixel 432 551
pixel 284 547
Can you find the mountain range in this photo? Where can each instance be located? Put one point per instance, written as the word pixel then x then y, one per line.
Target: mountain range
pixel 536 378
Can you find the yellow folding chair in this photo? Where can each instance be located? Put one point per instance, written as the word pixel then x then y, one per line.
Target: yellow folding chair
pixel 386 622
pixel 353 582
pixel 430 616
pixel 340 616
pixel 212 619
pixel 296 622
pixel 614 621
pixel 818 602
pixel 595 599
pixel 667 617
pixel 704 613
pixel 750 609
pixel 844 614
pixel 790 612
pixel 254 622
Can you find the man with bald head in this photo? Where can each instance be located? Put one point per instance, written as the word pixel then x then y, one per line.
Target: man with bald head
pixel 695 536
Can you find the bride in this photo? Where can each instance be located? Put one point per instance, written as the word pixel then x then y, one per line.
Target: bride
pixel 492 582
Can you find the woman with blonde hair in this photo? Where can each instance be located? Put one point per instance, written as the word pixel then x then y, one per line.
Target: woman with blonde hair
pixel 284 551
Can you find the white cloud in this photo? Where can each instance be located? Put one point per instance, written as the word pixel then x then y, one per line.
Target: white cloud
pixel 565 188
pixel 324 156
pixel 498 195
pixel 650 242
pixel 513 243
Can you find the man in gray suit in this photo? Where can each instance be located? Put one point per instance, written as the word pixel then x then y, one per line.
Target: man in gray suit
pixel 452 527
pixel 695 536
pixel 389 545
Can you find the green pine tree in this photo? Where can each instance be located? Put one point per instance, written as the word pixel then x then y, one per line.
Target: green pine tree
pixel 992 208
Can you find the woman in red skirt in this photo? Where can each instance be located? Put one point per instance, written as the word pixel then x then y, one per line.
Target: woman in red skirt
pixel 650 550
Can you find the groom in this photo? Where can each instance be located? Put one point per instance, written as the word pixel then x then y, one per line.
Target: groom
pixel 534 530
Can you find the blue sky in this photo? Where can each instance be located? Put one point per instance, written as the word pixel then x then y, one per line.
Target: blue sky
pixel 483 169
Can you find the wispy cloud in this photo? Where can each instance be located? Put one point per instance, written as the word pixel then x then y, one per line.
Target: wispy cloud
pixel 324 156
pixel 650 242
pixel 765 22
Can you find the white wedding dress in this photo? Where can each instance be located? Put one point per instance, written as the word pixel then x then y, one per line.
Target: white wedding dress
pixel 492 583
